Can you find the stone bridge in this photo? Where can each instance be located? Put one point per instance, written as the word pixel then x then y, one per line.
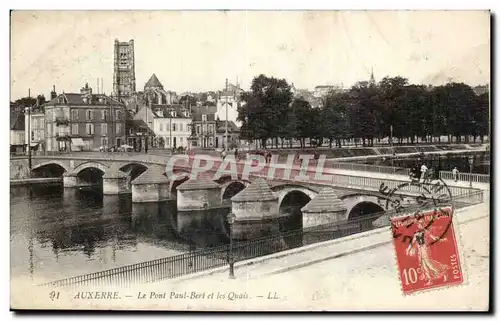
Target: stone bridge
pixel 143 176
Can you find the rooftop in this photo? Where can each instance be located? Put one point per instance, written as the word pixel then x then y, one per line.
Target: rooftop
pixel 152 175
pixel 153 82
pixel 77 99
pixel 198 183
pixel 326 201
pixel 16 117
pixel 257 191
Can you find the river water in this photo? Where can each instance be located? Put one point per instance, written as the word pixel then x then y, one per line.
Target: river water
pixel 58 233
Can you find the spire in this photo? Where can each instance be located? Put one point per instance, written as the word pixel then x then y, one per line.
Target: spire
pixel 372 77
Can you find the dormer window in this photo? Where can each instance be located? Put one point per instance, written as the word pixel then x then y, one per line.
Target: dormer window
pixel 61 99
pixel 174 113
pixel 85 100
pixel 203 117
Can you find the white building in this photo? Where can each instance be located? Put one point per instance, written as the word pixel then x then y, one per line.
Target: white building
pixel 232 99
pixel 172 123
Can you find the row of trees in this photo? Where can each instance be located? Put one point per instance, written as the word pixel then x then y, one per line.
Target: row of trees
pixel 365 112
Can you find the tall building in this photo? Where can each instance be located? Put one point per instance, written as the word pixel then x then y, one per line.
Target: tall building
pixel 124 71
pixel 79 121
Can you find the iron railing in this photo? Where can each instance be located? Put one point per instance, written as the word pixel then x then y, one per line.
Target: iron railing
pixel 205 259
pixel 466 177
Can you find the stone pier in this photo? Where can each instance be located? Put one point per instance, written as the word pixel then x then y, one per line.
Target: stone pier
pixel 198 194
pixel 72 180
pixel 256 211
pixel 325 208
pixel 151 186
pixel 115 182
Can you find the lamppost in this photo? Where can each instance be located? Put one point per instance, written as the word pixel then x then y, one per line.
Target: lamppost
pixel 231 219
pixel 471 165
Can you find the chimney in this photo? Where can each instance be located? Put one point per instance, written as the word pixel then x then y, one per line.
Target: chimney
pixel 53 93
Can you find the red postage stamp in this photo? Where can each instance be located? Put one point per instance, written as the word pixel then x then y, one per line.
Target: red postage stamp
pixel 426 250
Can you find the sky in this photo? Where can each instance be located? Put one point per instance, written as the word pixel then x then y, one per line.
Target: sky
pixel 197 50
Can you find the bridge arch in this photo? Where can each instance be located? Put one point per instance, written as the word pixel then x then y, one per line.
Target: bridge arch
pixel 49 169
pixel 231 188
pixel 291 197
pixel 175 184
pixel 359 204
pixel 87 165
pixel 52 162
pixel 133 169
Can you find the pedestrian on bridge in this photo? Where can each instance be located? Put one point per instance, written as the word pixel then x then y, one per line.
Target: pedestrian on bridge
pixel 423 171
pixel 455 174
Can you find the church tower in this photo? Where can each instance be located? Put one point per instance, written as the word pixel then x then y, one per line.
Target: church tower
pixel 124 70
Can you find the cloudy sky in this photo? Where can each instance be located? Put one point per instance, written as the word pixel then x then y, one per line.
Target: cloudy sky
pixel 198 50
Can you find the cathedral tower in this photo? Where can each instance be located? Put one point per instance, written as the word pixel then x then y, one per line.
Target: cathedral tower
pixel 124 70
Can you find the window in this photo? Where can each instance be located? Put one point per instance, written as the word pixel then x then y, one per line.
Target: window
pixel 89 114
pixel 174 128
pixel 104 141
pixel 74 114
pixel 104 114
pixel 210 129
pixel 167 141
pixel 161 127
pixel 204 128
pixel 203 117
pixel 180 127
pixel 74 129
pixel 167 127
pixel 118 128
pixel 89 129
pixel 198 127
pixel 49 130
pixel 210 141
pixel 118 114
pixel 182 140
pixel 104 129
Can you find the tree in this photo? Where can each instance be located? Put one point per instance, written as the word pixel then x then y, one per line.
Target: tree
pixel 302 111
pixel 335 118
pixel 187 100
pixel 265 113
pixel 481 116
pixel 365 103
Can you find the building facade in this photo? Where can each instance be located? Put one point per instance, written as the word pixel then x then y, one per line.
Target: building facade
pixel 233 135
pixel 205 126
pixel 124 71
pixel 34 128
pixel 171 124
pixel 83 121
pixel 17 129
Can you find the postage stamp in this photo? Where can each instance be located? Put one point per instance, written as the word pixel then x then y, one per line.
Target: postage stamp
pixel 224 164
pixel 426 250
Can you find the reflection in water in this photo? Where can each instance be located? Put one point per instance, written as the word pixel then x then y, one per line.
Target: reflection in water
pixel 60 232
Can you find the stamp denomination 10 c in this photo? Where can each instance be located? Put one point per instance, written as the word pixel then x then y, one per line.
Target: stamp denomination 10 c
pixel 426 250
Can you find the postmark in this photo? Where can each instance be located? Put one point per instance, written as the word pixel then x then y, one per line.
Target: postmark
pixel 426 250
